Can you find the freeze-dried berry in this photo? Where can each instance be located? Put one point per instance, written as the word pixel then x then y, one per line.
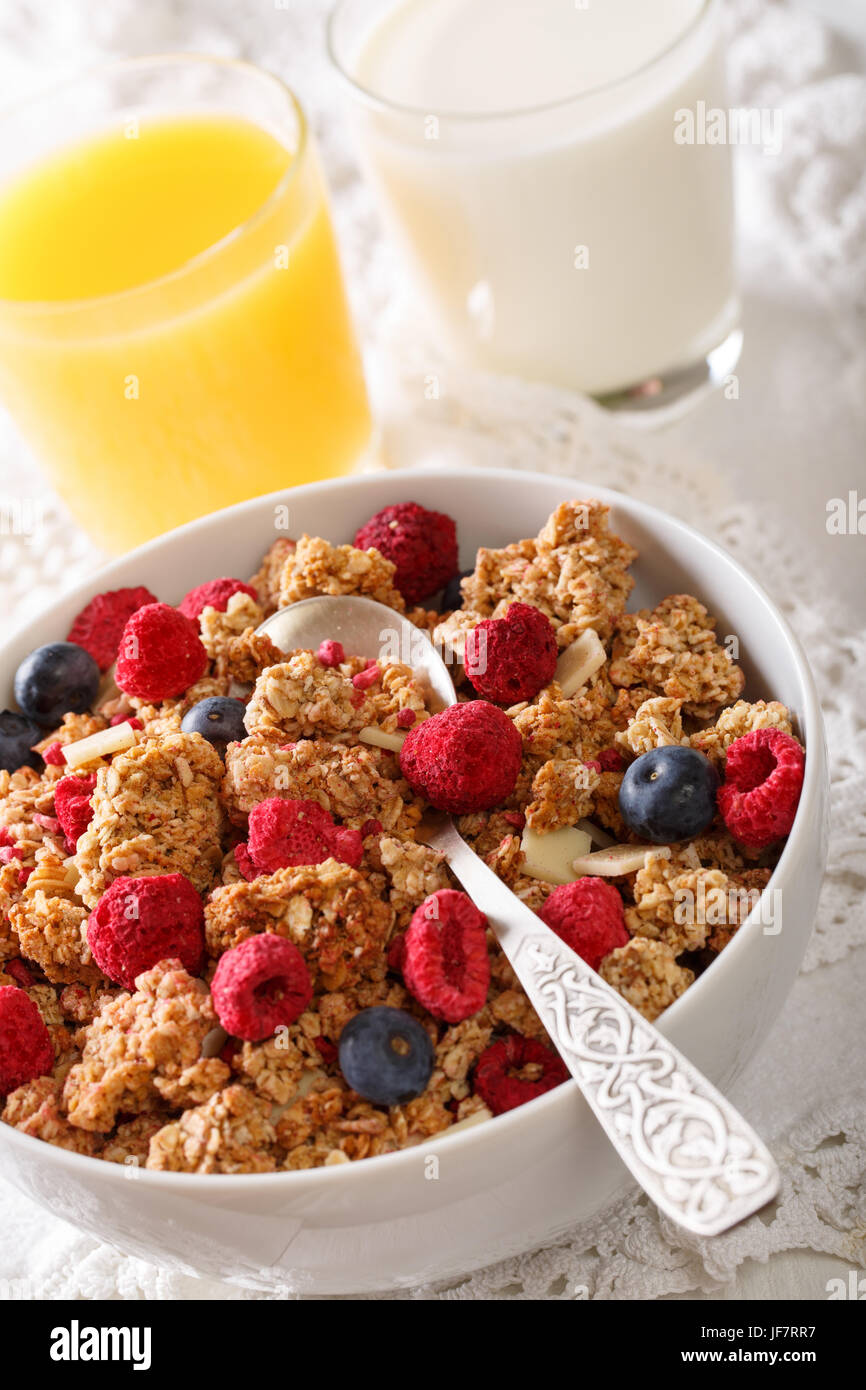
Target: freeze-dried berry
pixel 467 758
pixel 509 659
pixel 99 626
pixel 516 1069
pixel 141 921
pixel 161 654
pixel 445 965
pixel 259 986
pixel 284 832
pixel 245 864
pixel 25 1043
pixel 214 594
pixel 53 755
pixel 761 791
pixel 72 806
pixel 422 544
pixel 331 653
pixel 588 916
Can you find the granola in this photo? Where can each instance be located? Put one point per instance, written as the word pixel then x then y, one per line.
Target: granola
pixel 147 1077
pixel 672 649
pixel 155 811
pixel 319 568
pixel 144 1048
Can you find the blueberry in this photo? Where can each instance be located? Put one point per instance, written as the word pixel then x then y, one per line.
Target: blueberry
pixel 451 595
pixel 219 719
pixel 55 679
pixel 17 737
pixel 669 794
pixel 385 1055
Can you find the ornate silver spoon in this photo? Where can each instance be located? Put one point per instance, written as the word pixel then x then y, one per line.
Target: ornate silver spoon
pixel 690 1150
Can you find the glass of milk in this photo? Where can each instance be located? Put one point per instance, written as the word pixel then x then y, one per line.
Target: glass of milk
pixel 560 217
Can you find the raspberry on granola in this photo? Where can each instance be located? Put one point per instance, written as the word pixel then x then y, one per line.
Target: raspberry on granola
pixel 328 910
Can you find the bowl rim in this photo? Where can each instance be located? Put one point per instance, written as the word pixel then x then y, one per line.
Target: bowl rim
pixel 690 1001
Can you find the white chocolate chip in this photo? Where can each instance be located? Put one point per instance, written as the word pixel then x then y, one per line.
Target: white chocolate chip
pixel 550 857
pixel 580 661
pixel 99 745
pixel 619 859
pixel 378 738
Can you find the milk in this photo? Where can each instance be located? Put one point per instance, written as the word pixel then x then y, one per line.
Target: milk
pixel 525 159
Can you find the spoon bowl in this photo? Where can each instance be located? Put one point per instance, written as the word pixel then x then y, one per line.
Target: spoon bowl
pixel 364 628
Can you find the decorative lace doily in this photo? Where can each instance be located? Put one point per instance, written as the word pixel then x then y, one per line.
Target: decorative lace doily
pixel 812 200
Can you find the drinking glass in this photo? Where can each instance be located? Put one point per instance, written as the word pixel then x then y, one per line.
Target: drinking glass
pixel 230 374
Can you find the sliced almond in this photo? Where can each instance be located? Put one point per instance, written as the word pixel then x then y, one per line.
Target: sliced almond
pixel 550 857
pixel 596 834
pixel 476 1118
pixel 580 661
pixel 619 859
pixel 99 745
pixel 378 738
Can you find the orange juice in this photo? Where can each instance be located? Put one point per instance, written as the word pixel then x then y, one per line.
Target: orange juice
pixel 174 333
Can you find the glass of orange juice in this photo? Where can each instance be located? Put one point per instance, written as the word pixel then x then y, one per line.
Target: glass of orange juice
pixel 174 331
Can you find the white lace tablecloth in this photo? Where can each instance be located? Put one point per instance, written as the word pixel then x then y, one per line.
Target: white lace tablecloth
pixel 756 472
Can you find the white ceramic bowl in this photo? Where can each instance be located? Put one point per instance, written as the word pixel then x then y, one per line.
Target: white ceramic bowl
pixel 500 1187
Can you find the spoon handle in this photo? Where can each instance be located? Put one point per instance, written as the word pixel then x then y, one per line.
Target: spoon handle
pixel 689 1149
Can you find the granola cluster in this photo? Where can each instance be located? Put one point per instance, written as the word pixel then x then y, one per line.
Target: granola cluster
pixel 146 1075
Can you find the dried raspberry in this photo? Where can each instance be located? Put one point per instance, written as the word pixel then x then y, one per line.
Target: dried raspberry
pixel 131 720
pixel 761 791
pixel 509 659
pixel 446 966
pixel 588 916
pixel 326 1050
pixel 369 676
pixel 467 758
pixel 72 806
pixel 348 846
pixel 141 921
pixel 245 863
pixel 331 653
pixel 406 718
pixel 260 986
pixel 25 1043
pixel 214 594
pixel 161 654
pixel 396 953
pixel 7 839
pixel 371 827
pixel 99 627
pixel 284 832
pixel 7 854
pixel 422 544
pixel 53 755
pixel 515 818
pixel 24 874
pixel 611 760
pixel 18 971
pixel 49 823
pixel 497 1075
